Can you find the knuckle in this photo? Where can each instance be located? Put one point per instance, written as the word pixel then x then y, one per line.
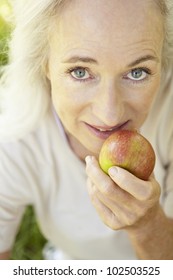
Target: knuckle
pixel 152 191
pixel 90 187
pixel 146 193
pixel 108 189
pixel 113 222
pixel 132 219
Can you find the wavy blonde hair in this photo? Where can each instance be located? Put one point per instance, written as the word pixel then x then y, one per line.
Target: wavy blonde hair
pixel 24 88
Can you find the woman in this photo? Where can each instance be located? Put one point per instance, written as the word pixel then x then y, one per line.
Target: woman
pixel 80 70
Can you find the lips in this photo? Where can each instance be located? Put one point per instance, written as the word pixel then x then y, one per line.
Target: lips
pixel 105 131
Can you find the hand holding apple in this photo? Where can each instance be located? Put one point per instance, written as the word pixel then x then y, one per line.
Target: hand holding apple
pixel 129 150
pixel 122 200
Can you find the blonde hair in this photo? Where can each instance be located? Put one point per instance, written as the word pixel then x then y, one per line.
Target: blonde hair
pixel 24 89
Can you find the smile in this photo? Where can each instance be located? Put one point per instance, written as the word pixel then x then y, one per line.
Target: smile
pixel 103 132
pixel 102 129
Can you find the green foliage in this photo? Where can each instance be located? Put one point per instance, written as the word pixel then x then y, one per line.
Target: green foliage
pixel 29 241
pixel 5 30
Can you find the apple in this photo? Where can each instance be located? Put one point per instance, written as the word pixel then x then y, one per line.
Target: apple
pixel 130 150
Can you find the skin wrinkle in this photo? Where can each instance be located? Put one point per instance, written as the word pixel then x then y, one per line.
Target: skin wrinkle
pixel 77 43
pixel 154 228
pixel 107 98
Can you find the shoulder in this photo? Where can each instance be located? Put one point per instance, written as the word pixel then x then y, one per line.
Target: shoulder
pixel 31 140
pixel 32 153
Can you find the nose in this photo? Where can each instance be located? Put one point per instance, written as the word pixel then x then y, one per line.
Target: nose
pixel 108 105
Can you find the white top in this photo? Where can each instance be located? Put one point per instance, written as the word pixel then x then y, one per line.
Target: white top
pixel 42 170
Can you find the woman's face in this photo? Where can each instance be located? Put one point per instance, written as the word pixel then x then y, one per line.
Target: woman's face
pixel 104 67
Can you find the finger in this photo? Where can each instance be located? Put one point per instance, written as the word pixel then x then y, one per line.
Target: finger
pixel 140 189
pixel 106 215
pixel 103 182
pixel 127 215
pixel 128 211
pixel 116 216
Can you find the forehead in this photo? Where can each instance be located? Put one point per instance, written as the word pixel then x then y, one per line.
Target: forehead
pixel 105 23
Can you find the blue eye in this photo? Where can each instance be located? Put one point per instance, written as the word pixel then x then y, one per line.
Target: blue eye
pixel 138 74
pixel 80 74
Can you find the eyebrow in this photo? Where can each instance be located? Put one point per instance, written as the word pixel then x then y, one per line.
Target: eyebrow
pixel 86 59
pixel 143 59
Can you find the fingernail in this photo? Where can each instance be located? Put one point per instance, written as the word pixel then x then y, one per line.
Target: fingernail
pixel 88 159
pixel 113 171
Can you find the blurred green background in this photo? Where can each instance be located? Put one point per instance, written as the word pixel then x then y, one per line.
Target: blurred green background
pixel 29 240
pixel 5 29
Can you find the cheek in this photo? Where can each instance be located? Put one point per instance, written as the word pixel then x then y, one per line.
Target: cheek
pixel 151 96
pixel 69 97
pixel 140 104
pixel 66 104
pixel 146 97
